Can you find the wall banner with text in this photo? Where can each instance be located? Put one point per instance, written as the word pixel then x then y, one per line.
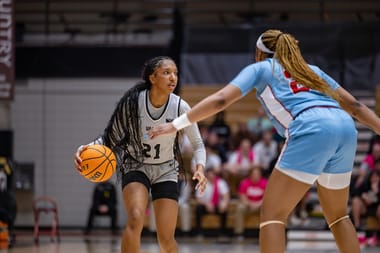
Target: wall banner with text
pixel 7 59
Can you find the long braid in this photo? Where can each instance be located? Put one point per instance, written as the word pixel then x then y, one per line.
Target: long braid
pixel 289 55
pixel 123 127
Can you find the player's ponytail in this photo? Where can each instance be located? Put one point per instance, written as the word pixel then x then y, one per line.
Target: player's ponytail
pixel 287 52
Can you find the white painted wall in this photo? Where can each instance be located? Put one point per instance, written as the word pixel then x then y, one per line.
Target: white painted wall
pixel 50 119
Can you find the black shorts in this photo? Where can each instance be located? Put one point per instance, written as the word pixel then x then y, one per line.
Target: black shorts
pixel 161 190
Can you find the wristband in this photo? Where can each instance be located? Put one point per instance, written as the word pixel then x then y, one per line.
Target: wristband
pixel 181 122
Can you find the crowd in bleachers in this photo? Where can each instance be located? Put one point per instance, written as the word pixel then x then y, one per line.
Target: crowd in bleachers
pixel 365 192
pixel 239 163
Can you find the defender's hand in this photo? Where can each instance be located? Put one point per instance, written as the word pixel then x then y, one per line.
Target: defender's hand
pixel 161 129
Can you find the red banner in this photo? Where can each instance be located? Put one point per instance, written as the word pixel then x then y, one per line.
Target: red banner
pixel 6 49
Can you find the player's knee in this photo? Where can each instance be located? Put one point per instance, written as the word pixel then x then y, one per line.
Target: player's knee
pixel 136 218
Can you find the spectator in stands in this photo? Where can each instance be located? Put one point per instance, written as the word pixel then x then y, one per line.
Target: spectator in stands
pixel 258 124
pixel 222 129
pixel 203 130
pixel 213 160
pixel 242 132
pixel 367 198
pixel 377 165
pixel 214 200
pixel 367 202
pixel 8 207
pixel 251 192
pixel 375 138
pixel 265 151
pixel 8 168
pixel 214 143
pixel 239 163
pixel 242 159
pixel 104 203
pixel 367 165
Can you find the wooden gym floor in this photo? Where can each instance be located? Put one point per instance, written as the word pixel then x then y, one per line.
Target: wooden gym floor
pixel 104 242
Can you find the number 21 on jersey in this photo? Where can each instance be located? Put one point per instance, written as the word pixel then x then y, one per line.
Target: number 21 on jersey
pixel 149 152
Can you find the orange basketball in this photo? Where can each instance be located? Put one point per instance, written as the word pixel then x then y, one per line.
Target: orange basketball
pixel 98 163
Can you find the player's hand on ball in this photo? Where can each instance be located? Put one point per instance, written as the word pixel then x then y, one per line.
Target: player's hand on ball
pixel 77 158
pixel 161 129
pixel 97 162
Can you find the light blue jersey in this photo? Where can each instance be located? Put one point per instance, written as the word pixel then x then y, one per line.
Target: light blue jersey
pixel 320 136
pixel 282 98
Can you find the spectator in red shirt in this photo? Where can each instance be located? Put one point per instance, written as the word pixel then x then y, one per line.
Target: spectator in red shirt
pixel 251 192
pixel 367 166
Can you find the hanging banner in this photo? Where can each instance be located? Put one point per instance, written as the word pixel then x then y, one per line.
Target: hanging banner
pixel 7 64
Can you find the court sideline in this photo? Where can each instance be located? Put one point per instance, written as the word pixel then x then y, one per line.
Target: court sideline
pixel 75 242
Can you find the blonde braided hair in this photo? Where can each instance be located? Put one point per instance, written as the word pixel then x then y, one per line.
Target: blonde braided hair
pixel 287 52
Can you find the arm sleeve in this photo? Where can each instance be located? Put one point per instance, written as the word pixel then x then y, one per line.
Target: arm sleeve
pixel 98 140
pixel 194 136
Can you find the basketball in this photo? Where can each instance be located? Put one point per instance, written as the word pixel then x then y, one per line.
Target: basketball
pixel 98 163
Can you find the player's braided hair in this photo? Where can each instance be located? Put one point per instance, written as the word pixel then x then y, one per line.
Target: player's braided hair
pixel 122 133
pixel 286 50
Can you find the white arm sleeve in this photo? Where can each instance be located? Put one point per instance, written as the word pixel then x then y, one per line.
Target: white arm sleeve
pixel 194 136
pixel 99 140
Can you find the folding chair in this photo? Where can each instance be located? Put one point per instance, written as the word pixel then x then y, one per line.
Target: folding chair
pixel 48 206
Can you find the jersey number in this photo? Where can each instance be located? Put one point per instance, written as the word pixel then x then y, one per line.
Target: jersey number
pixel 294 86
pixel 148 148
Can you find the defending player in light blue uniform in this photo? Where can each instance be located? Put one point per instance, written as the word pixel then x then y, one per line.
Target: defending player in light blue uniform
pixel 294 111
pixel 314 114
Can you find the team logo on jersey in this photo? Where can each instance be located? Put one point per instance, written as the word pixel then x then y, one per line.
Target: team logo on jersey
pixel 145 135
pixel 169 120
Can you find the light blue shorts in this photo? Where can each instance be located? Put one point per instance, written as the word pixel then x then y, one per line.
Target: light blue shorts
pixel 320 141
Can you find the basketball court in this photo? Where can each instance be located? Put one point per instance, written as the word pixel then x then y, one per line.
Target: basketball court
pixel 104 242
